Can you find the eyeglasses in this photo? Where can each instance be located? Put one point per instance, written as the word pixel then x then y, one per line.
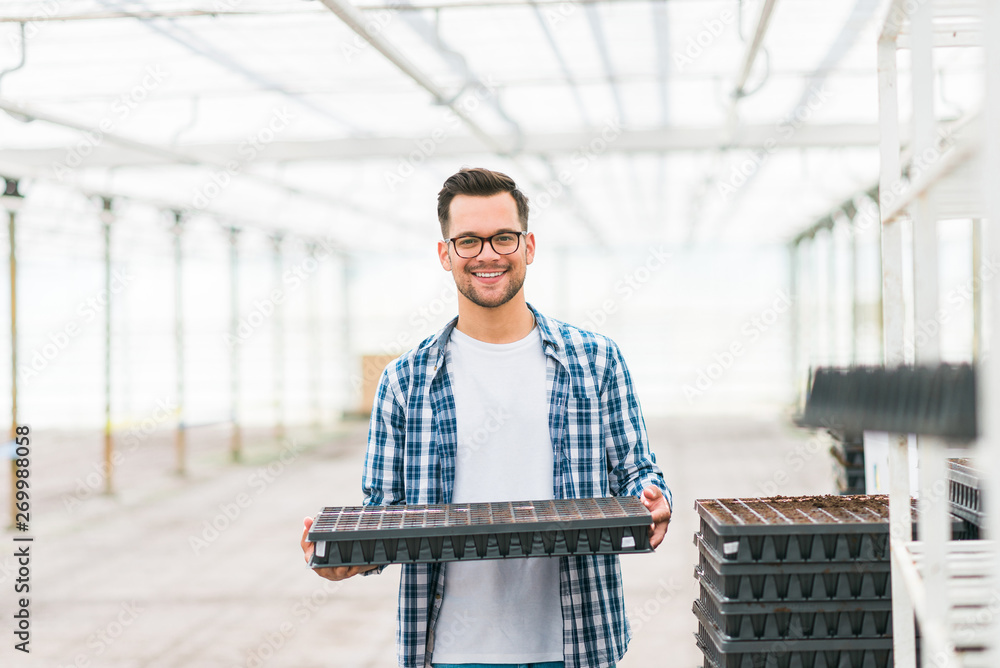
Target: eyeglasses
pixel 504 243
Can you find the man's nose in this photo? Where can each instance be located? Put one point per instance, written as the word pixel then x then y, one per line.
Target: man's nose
pixel 487 253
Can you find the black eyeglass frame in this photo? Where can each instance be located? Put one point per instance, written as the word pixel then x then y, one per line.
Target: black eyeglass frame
pixel 482 243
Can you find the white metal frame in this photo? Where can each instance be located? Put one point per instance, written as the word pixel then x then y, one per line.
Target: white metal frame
pixel 948 585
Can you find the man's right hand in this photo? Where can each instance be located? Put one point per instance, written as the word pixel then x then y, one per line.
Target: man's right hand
pixel 335 573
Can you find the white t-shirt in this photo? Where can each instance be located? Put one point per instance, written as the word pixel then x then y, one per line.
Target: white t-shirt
pixel 500 611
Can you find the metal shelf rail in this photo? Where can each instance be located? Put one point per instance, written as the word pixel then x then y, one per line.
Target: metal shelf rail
pixel 951 587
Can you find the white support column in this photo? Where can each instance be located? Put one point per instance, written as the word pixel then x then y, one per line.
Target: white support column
pixel 903 632
pixel 934 525
pixel 989 370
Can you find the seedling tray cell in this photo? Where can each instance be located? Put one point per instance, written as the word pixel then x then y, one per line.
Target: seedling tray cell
pixel 780 622
pixel 797 529
pixel 362 535
pixel 791 653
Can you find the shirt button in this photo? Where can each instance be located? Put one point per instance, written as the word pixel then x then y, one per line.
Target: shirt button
pixel 437 597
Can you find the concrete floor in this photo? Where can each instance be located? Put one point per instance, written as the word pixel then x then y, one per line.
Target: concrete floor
pixel 144 579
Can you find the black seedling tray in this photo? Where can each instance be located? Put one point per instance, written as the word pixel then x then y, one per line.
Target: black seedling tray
pixel 964 492
pixel 750 607
pixel 754 621
pixel 809 653
pixel 796 529
pixel 794 581
pixel 361 535
pixel 938 400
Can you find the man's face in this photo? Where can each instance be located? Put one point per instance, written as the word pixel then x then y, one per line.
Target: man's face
pixel 489 279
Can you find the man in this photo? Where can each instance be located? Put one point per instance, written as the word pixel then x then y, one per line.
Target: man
pixel 506 404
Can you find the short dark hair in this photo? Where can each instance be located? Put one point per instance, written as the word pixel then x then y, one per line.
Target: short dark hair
pixel 479 182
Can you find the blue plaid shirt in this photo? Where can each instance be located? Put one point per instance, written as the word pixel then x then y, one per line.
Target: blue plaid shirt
pixel 600 449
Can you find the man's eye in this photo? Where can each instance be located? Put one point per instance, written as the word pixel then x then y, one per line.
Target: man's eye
pixel 467 242
pixel 504 238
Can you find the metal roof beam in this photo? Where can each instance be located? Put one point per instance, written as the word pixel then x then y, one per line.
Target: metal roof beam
pixel 171 156
pixel 355 20
pixel 654 141
pixel 602 49
pixel 563 65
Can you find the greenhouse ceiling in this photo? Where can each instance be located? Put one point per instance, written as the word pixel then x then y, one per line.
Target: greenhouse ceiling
pixel 625 121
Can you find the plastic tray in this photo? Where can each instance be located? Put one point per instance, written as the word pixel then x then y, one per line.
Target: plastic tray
pixel 360 535
pixel 792 653
pixel 935 400
pixel 964 492
pixel 742 606
pixel 794 581
pixel 796 529
pixel 777 621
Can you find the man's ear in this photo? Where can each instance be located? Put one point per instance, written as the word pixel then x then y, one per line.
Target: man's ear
pixel 443 255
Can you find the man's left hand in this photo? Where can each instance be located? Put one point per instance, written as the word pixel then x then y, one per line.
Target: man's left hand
pixel 652 497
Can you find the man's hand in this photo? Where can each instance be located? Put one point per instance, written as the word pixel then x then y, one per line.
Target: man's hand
pixel 652 497
pixel 335 573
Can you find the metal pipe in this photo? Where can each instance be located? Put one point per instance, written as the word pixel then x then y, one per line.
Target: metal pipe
pixel 107 217
pixel 279 345
pixel 315 345
pixel 793 292
pixel 346 344
pixel 977 288
pixel 180 440
pixel 12 200
pixel 763 20
pixel 236 437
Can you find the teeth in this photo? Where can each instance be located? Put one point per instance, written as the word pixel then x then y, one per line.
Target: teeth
pixel 488 275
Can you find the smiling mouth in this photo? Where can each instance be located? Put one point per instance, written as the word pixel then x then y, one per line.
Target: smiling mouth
pixel 487 274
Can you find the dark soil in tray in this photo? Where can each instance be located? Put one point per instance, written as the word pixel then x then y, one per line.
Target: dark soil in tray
pixel 800 509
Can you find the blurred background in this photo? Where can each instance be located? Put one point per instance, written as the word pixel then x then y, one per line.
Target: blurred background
pixel 222 223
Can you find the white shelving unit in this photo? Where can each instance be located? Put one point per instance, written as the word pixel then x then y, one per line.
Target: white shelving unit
pixel 953 588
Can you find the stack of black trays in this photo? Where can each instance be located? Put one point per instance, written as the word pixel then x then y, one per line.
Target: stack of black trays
pixel 964 496
pixel 794 582
pixel 849 453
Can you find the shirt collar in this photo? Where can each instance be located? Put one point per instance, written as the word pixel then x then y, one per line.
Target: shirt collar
pixel 437 345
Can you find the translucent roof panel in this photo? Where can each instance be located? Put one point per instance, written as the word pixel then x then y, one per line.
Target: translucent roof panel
pixel 620 118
